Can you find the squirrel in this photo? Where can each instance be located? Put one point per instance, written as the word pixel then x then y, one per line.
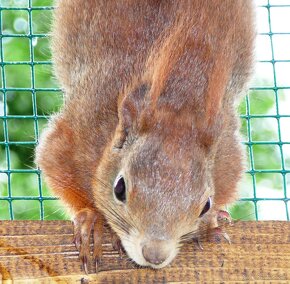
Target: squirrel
pixel 148 137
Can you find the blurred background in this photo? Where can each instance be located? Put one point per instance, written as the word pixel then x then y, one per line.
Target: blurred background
pixel 29 94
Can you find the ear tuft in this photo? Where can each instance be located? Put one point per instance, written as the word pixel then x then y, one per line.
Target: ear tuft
pixel 210 131
pixel 132 105
pixel 218 81
pixel 129 112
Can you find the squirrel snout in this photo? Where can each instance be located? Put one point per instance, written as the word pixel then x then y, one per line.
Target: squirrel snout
pixel 156 252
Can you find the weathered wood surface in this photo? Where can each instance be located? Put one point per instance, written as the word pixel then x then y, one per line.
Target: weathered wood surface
pixel 43 252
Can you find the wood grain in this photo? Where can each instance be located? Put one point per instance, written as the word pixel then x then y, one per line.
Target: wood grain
pixel 42 252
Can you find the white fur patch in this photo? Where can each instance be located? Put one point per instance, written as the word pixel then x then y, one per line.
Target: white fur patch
pixel 132 245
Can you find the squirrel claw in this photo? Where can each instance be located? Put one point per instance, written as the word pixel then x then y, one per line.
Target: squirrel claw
pixel 76 242
pixel 97 263
pixel 198 242
pixel 116 244
pixel 217 234
pixel 84 261
pixel 227 238
pixel 98 233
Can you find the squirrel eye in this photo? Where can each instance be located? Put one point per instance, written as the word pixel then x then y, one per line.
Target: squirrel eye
pixel 206 207
pixel 120 189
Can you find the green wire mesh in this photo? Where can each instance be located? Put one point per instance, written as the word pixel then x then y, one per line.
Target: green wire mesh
pixel 278 92
pixel 28 94
pixel 9 89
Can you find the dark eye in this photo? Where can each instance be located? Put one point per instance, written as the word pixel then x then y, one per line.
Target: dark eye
pixel 206 207
pixel 120 189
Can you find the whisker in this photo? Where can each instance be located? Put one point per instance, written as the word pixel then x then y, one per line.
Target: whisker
pixel 125 224
pixel 120 225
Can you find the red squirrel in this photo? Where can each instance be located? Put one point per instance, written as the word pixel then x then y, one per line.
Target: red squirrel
pixel 148 137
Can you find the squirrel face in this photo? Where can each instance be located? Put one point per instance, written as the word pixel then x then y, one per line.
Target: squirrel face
pixel 159 189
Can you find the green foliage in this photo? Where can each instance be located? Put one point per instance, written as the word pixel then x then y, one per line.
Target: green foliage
pixel 243 210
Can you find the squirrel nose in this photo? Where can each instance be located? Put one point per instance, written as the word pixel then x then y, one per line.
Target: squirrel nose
pixel 155 252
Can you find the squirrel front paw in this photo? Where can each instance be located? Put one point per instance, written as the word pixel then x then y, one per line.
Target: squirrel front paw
pixel 86 222
pixel 211 230
pixel 216 233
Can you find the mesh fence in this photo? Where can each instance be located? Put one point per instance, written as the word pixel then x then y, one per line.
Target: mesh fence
pixel 29 94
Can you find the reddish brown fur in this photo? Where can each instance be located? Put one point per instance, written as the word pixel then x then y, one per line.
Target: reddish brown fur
pixel 148 83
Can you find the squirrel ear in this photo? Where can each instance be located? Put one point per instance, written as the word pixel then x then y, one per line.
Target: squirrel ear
pixel 218 82
pixel 211 124
pixel 131 106
pixel 129 112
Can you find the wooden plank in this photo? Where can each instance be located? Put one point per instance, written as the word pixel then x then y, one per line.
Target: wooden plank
pixel 42 252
